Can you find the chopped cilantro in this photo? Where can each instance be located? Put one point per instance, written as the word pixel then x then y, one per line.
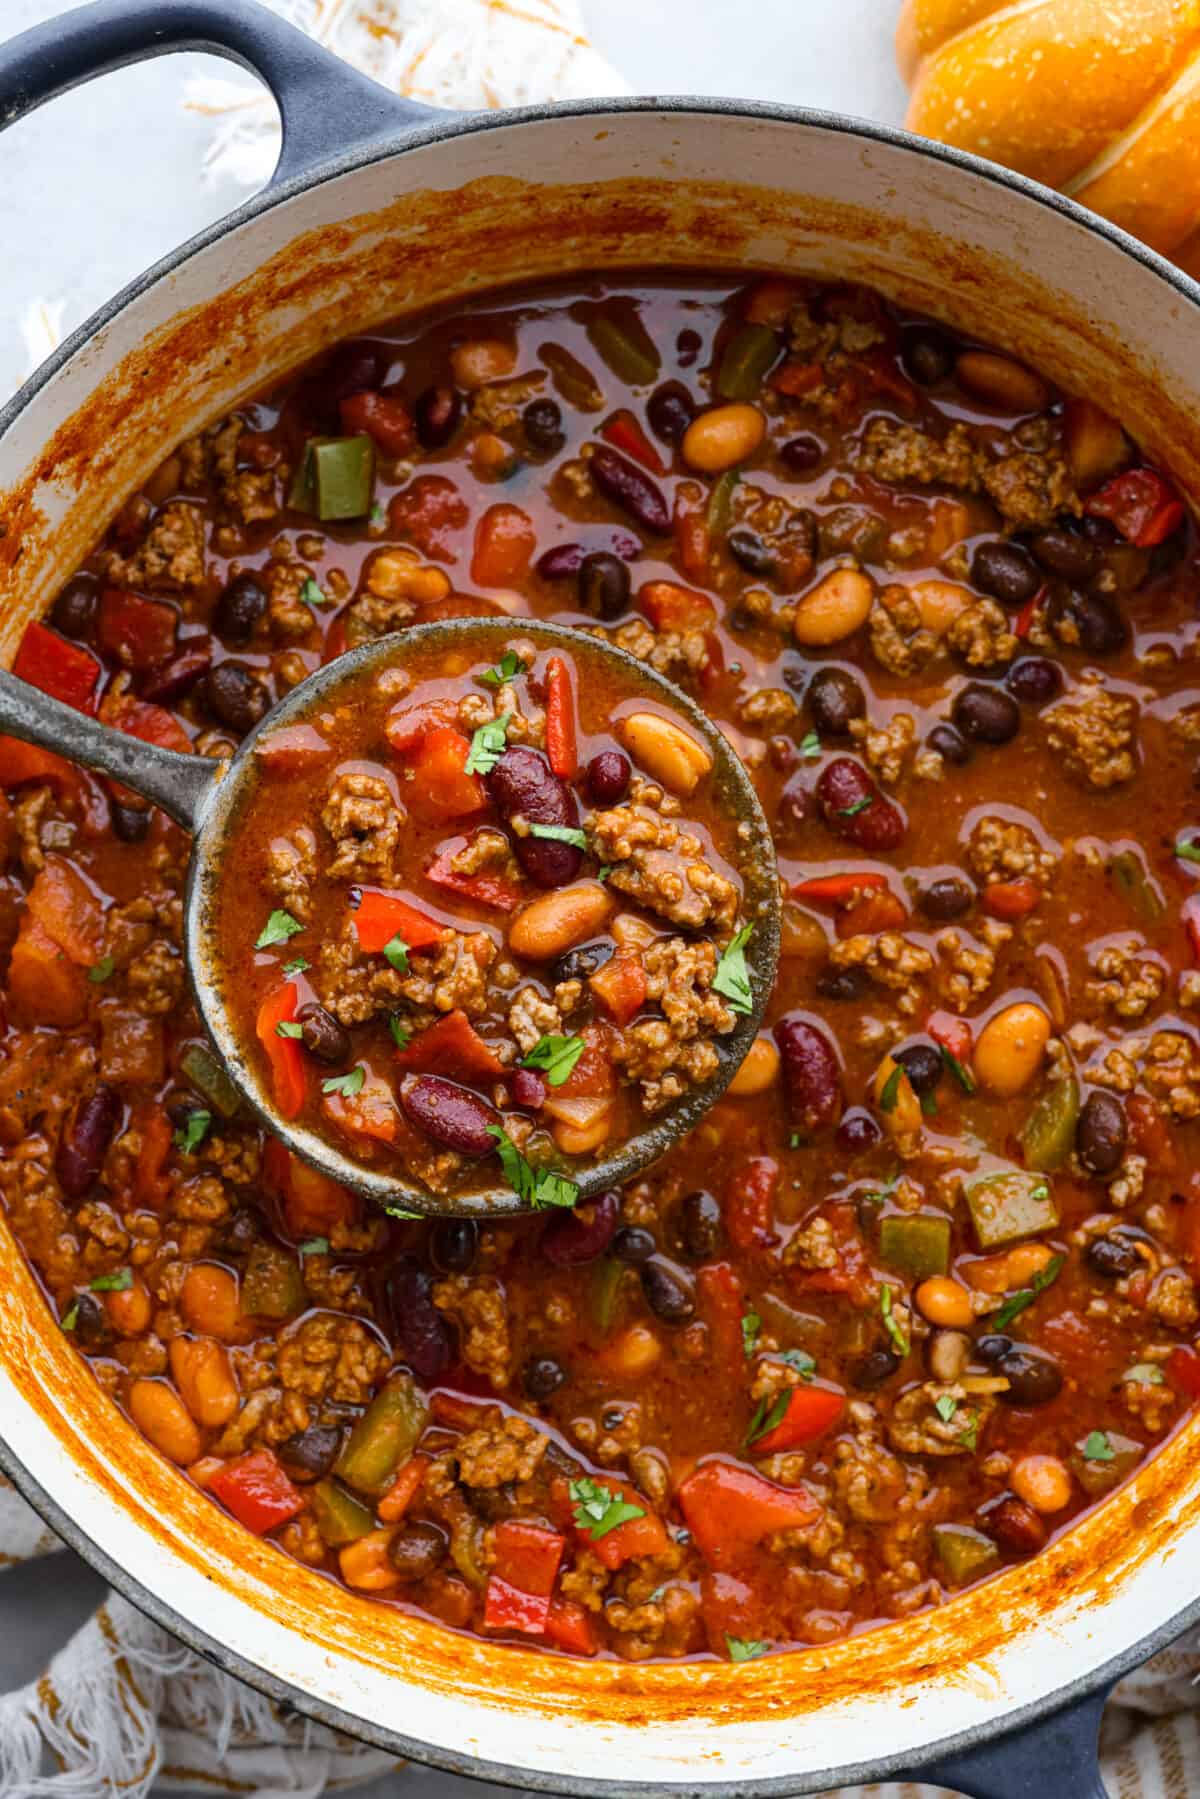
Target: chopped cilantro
pixel 100 971
pixel 599 1509
pixel 891 1089
pixel 346 1083
pixel 969 1438
pixel 278 928
pixel 539 1187
pixel 801 1361
pixel 764 1419
pixel 313 594
pixel 1041 1191
pixel 315 1246
pixel 287 1027
pixel 945 1405
pixel 556 1056
pixel 395 951
pixel 561 834
pixel 603 872
pixel 751 1326
pixel 487 745
pixel 1016 1303
pixel 1187 849
pixel 507 669
pixel 1147 1374
pixel 962 1074
pixel 70 1317
pixel 854 810
pixel 732 977
pixel 191 1135
pixel 745 1649
pixel 796 1140
pixel 810 746
pixel 118 1282
pixel 297 965
pixel 1097 1448
pixel 402 1212
pixel 891 1323
pixel 400 1037
pixel 377 515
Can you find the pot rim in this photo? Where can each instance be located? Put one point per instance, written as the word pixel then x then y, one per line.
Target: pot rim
pixel 443 126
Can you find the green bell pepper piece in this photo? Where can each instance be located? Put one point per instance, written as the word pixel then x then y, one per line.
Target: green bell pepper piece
pixel 1133 883
pixel 1007 1206
pixel 748 355
pixel 915 1243
pixel 720 503
pixel 1102 1458
pixel 625 346
pixel 794 1329
pixel 384 1436
pixel 208 1077
pixel 1048 1135
pixel 966 1554
pixel 572 381
pixel 335 478
pixel 273 1286
pixel 604 1292
pixel 341 1518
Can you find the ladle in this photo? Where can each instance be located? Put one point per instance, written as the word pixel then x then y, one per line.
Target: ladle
pixel 206 796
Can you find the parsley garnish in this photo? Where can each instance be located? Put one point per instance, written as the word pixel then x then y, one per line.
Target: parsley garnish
pixel 315 1246
pixel 945 1405
pixel 745 1649
pixel 297 965
pixel 1187 849
pixel 970 1437
pixel 891 1323
pixel 854 810
pixel 891 1089
pixel 312 594
pixel 191 1135
pixel 801 1361
pixel 751 1326
pixel 732 977
pixel 1016 1302
pixel 1147 1374
pixel 1097 1448
pixel 561 834
pixel 100 971
pixel 810 746
pixel 377 515
pixel 70 1317
pixel 487 745
pixel 764 1421
pixel 962 1074
pixel 539 1187
pixel 287 1027
pixel 600 1509
pixel 556 1056
pixel 346 1083
pixel 278 928
pixel 603 873
pixel 402 1212
pixel 119 1282
pixel 400 1037
pixel 395 951
pixel 796 1140
pixel 502 672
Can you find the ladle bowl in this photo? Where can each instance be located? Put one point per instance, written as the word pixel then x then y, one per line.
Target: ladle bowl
pixel 207 797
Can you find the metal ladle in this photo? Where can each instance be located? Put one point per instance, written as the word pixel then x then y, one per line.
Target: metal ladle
pixel 207 796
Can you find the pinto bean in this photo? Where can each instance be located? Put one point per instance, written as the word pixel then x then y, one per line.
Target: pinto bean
pixel 572 1238
pixel 666 751
pixel 723 437
pixel 523 785
pixel 85 1140
pixel 452 1115
pixel 812 1080
pixel 630 488
pixel 999 381
pixel 855 809
pixel 161 1415
pixel 556 922
pixel 835 608
pixel 201 1370
pixel 422 1334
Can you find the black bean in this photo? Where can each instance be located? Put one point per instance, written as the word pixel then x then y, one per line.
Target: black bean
pixel 1004 570
pixel 1065 553
pixel 437 415
pixel 950 745
pixel 667 1293
pixel 417 1550
pixel 857 1133
pixel 688 345
pixel 74 611
pixel 699 1225
pixel 1112 1257
pixel 630 488
pixel 876 1367
pixel 633 1244
pixel 992 1347
pixel 1033 1378
pixel 842 983
pixel 946 898
pixel 237 1235
pixel 92 1328
pixel 240 605
pixel 310 1453
pixel 421 1332
pixel 608 776
pixel 234 696
pixel 543 424
pixel 353 368
pixel 670 410
pixel 927 354
pixel 130 823
pixel 986 714
pixel 577 964
pixel 85 1139
pixel 748 549
pixel 322 1035
pixel 453 1245
pixel 1101 1132
pixel 1101 628
pixel 801 453
pixel 835 700
pixel 923 1065
pixel 1034 680
pixel 603 582
pixel 542 1376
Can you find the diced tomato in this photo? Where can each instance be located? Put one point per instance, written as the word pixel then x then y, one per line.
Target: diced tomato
pixel 1143 506
pixel 811 1411
pixel 673 608
pixel 22 763
pixel 1191 922
pixel 150 1186
pixel 312 1202
pixel 407 727
pixel 834 890
pixel 637 1537
pixel 371 1112
pixel 1023 623
pixel 1011 899
pixel 875 912
pixel 381 916
pixel 283 1053
pixel 44 985
pixel 624 433
pixel 65 671
pixel 749 1204
pixel 527 1555
pixel 406 1484
pixel 506 1607
pixel 1183 1370
pixel 457 1412
pixel 136 632
pixel 796 378
pixel 504 544
pixel 690 526
pixel 876 372
pixel 144 720
pixel 293 750
pixel 592 1076
pixel 620 987
pixel 380 414
pixel 441 786
pixel 452 1046
pixel 729 1509
pixel 66 908
pixel 489 889
pixel 1150 1133
pixel 430 512
pixel 257 1491
pixel 561 748
pixel 569 1627
pixel 722 1307
pixel 953 1033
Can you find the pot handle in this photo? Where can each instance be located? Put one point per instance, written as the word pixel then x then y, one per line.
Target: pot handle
pixel 1056 1755
pixel 325 105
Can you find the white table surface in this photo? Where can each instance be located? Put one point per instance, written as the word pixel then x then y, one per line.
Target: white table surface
pixel 99 184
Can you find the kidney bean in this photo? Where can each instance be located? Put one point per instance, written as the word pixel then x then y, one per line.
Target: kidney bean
pixel 436 415
pixel 835 700
pixel 986 714
pixel 523 784
pixel 603 585
pixel 559 561
pixel 668 1293
pixel 572 1238
pixel 454 1244
pixel 241 604
pixel 630 488
pixel 608 777
pixel 1101 1132
pixel 175 677
pixel 422 1334
pixel 812 1079
pixel 699 1225
pixel 310 1453
pixel 452 1115
pixel 84 1142
pixel 1034 680
pixel 855 809
pixel 857 1133
pixel 670 410
pixel 1015 1525
pixel 526 1089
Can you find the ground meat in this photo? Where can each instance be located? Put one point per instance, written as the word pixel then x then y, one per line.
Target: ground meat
pixel 676 654
pixel 155 980
pixel 980 635
pixel 899 642
pixel 770 710
pixel 661 865
pixel 39 829
pixel 1173 1299
pixel 328 1357
pixel 587 1582
pixel 1130 1181
pixel 967 967
pixel 212 457
pixel 1172 1072
pixel 452 976
pixel 868 1480
pixel 667 1055
pixel 290 617
pixel 1029 488
pixel 1096 732
pixel 498 405
pixel 364 821
pixel 291 866
pixel 1003 851
pixel 502 1450
pixel 478 1306
pixel 786 532
pixel 1150 1402
pixel 813 1246
pixel 171 556
pixel 530 1018
pixel 904 455
pixel 916 1427
pixel 887 747
pixel 396 582
pixel 890 959
pixel 490 850
pixel 1130 982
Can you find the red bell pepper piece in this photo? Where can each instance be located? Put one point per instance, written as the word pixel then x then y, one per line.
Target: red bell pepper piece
pixel 293 750
pixel 452 1046
pixel 527 1555
pixel 371 1112
pixel 832 890
pixel 407 727
pixel 636 1537
pixel 381 916
pixel 430 512
pixel 487 888
pixel 504 544
pixel 283 1053
pixel 624 433
pixel 1183 1371
pixel 729 1510
pixel 561 746
pixel 144 720
pixel 133 631
pixel 63 670
pixel 670 607
pixel 722 1306
pixel 313 1203
pixel 67 909
pixel 1143 506
pixel 954 1034
pixel 1011 899
pixel 441 786
pixel 406 1484
pixel 1150 1134
pixel 620 987
pixel 811 1411
pixel 21 763
pixel 150 1172
pixel 874 912
pixel 749 1205
pixel 1191 920
pixel 1023 623
pixel 692 544
pixel 383 416
pixel 796 378
pixel 257 1491
pixel 506 1607
pixel 569 1627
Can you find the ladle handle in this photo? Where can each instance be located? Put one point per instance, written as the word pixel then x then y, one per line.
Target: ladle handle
pixel 179 784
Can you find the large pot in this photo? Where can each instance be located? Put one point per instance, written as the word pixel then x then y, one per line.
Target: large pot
pixel 379 206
